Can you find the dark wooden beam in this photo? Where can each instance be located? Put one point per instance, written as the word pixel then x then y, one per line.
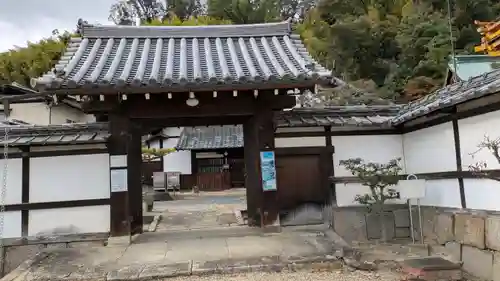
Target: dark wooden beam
pixel 111 91
pixel 160 106
pixel 126 205
pixel 328 167
pixel 148 125
pixel 458 156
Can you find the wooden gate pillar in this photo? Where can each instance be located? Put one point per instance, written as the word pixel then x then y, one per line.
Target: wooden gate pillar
pixel 125 173
pixel 258 134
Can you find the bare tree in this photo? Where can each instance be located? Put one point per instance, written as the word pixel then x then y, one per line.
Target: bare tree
pixel 480 168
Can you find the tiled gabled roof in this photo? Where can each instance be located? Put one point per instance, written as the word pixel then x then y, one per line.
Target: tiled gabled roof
pixel 475 87
pixel 181 58
pixel 213 137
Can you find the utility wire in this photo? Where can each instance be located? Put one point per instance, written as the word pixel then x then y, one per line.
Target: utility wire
pixel 450 25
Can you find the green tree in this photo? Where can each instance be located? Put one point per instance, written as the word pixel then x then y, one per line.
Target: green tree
pixel 20 64
pixel 177 21
pixel 245 11
pixel 379 178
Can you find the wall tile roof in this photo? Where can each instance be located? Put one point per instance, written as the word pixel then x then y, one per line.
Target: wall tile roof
pixel 216 137
pixel 475 87
pixel 213 137
pixel 22 134
pixel 183 56
pixel 338 116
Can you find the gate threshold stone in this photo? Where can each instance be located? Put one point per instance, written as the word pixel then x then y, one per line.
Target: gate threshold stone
pixel 432 269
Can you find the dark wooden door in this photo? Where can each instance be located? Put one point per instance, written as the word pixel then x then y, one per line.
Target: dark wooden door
pixel 299 181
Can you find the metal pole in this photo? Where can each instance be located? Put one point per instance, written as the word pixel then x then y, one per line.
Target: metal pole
pixel 412 232
pixel 420 222
pixel 411 222
pixel 450 26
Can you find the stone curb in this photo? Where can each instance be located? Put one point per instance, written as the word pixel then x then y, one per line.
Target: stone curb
pixel 24 267
pixel 158 272
pixel 154 224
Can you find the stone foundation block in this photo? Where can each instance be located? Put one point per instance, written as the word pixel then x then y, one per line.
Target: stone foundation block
pixel 492 232
pixel 429 217
pixel 454 250
pixel 450 251
pixel 350 224
pixel 402 218
pixel 444 228
pixel 477 262
pixel 469 230
pixel 496 266
pixel 373 227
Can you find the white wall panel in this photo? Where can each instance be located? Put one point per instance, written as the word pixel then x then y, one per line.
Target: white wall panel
pixel 299 142
pixel 442 193
pixel 63 221
pixel 178 161
pixel 65 178
pixel 430 150
pixel 377 148
pixel 14 180
pixel 480 193
pixel 12 224
pixel 472 132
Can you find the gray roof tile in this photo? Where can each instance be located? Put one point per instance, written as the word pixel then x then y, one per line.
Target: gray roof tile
pixel 25 134
pixel 213 137
pixel 475 87
pixel 338 116
pixel 182 56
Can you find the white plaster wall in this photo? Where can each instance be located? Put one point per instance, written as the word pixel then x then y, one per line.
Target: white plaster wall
pixel 63 221
pixel 14 180
pixel 12 224
pixel 173 131
pixel 178 161
pixel 299 142
pixel 442 193
pixel 41 114
pixel 480 193
pixel 155 143
pixel 430 150
pixel 64 178
pixel 375 148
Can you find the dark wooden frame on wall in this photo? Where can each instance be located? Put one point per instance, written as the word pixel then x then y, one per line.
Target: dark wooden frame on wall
pixel 326 156
pixel 25 206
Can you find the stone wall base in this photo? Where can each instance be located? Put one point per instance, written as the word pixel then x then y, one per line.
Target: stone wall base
pixel 468 236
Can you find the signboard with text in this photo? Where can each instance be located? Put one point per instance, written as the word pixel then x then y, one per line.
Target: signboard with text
pixel 268 170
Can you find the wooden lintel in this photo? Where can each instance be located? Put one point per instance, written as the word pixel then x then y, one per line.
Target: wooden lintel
pixel 303 85
pixel 161 107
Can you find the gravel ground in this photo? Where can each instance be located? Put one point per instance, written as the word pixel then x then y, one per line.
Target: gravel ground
pixel 299 276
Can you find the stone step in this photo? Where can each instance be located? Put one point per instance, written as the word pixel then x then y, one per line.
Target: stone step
pixel 215 232
pixel 431 269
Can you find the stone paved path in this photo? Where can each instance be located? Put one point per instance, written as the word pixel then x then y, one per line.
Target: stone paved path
pixel 199 211
pixel 152 255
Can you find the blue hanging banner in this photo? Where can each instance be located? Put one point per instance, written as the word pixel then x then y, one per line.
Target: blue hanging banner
pixel 268 170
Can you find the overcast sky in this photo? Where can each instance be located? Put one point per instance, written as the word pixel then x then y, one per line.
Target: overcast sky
pixel 32 20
